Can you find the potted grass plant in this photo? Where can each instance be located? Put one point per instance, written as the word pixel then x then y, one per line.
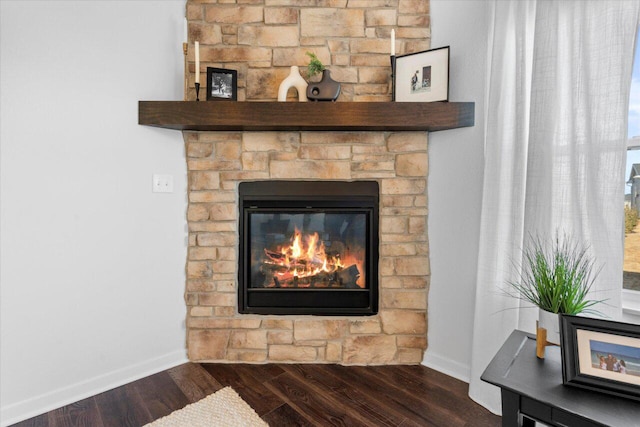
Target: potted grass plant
pixel 556 276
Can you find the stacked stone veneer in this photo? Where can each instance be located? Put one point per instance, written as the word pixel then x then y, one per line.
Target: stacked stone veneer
pixel 262 39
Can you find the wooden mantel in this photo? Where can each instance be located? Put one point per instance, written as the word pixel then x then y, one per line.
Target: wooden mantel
pixel 306 116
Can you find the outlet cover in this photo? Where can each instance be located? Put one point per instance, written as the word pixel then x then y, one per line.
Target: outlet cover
pixel 162 183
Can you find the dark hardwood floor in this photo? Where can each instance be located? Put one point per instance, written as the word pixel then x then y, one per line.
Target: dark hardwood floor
pixel 287 395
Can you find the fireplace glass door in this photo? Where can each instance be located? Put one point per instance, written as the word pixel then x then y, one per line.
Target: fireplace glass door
pixel 323 249
pixel 310 248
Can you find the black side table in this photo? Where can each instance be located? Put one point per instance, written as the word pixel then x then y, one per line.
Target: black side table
pixel 532 389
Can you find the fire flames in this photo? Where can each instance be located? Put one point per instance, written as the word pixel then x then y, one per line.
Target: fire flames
pixel 307 263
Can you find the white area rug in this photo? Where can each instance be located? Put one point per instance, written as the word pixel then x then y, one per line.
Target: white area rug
pixel 224 408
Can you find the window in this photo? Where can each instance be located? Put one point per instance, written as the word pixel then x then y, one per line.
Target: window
pixel 631 267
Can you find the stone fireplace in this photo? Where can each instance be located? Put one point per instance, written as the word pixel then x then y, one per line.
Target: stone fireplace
pixel 262 39
pixel 219 161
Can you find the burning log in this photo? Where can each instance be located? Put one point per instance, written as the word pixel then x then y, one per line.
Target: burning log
pixel 275 256
pixel 271 269
pixel 348 277
pixel 277 277
pixel 324 280
pixel 281 259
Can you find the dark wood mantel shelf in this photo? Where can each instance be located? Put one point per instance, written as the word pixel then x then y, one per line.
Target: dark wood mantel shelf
pixel 306 116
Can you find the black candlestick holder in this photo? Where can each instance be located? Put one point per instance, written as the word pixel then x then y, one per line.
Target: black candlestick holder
pixel 197 91
pixel 393 77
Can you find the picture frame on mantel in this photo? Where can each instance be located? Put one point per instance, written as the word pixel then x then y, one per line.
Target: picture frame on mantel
pixel 222 84
pixel 422 76
pixel 601 355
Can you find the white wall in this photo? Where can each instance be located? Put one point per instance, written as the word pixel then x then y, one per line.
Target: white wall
pixel 92 262
pixel 455 188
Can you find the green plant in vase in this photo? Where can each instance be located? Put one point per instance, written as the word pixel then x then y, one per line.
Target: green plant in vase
pixel 315 65
pixel 557 277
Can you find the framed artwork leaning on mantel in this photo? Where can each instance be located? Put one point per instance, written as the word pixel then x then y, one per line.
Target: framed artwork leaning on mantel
pixel 222 84
pixel 422 76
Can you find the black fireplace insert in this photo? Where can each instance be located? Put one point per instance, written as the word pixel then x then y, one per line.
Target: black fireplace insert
pixel 308 247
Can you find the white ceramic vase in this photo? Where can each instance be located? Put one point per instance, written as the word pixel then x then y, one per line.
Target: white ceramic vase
pixel 551 322
pixel 294 79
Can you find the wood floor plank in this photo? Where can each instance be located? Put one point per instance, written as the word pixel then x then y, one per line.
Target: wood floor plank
pixel 432 376
pixel 264 373
pixel 81 413
pixel 285 416
pixel 194 381
pixel 441 405
pixel 242 378
pixel 445 392
pixel 381 397
pixel 122 406
pixel 324 408
pixel 357 400
pixel 385 391
pixel 160 395
pixel 431 392
pixel 459 391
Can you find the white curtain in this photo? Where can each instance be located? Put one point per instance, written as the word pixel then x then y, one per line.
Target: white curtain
pixel 555 145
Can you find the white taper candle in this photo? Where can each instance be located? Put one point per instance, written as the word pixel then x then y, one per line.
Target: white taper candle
pixel 393 42
pixel 186 30
pixel 197 45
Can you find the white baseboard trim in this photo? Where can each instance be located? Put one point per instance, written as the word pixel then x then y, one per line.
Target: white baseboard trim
pixel 54 399
pixel 446 366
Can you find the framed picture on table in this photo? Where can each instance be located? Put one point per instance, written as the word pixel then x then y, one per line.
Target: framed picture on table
pixel 601 355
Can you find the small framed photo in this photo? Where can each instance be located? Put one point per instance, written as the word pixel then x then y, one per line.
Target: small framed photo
pixel 222 84
pixel 422 76
pixel 601 355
